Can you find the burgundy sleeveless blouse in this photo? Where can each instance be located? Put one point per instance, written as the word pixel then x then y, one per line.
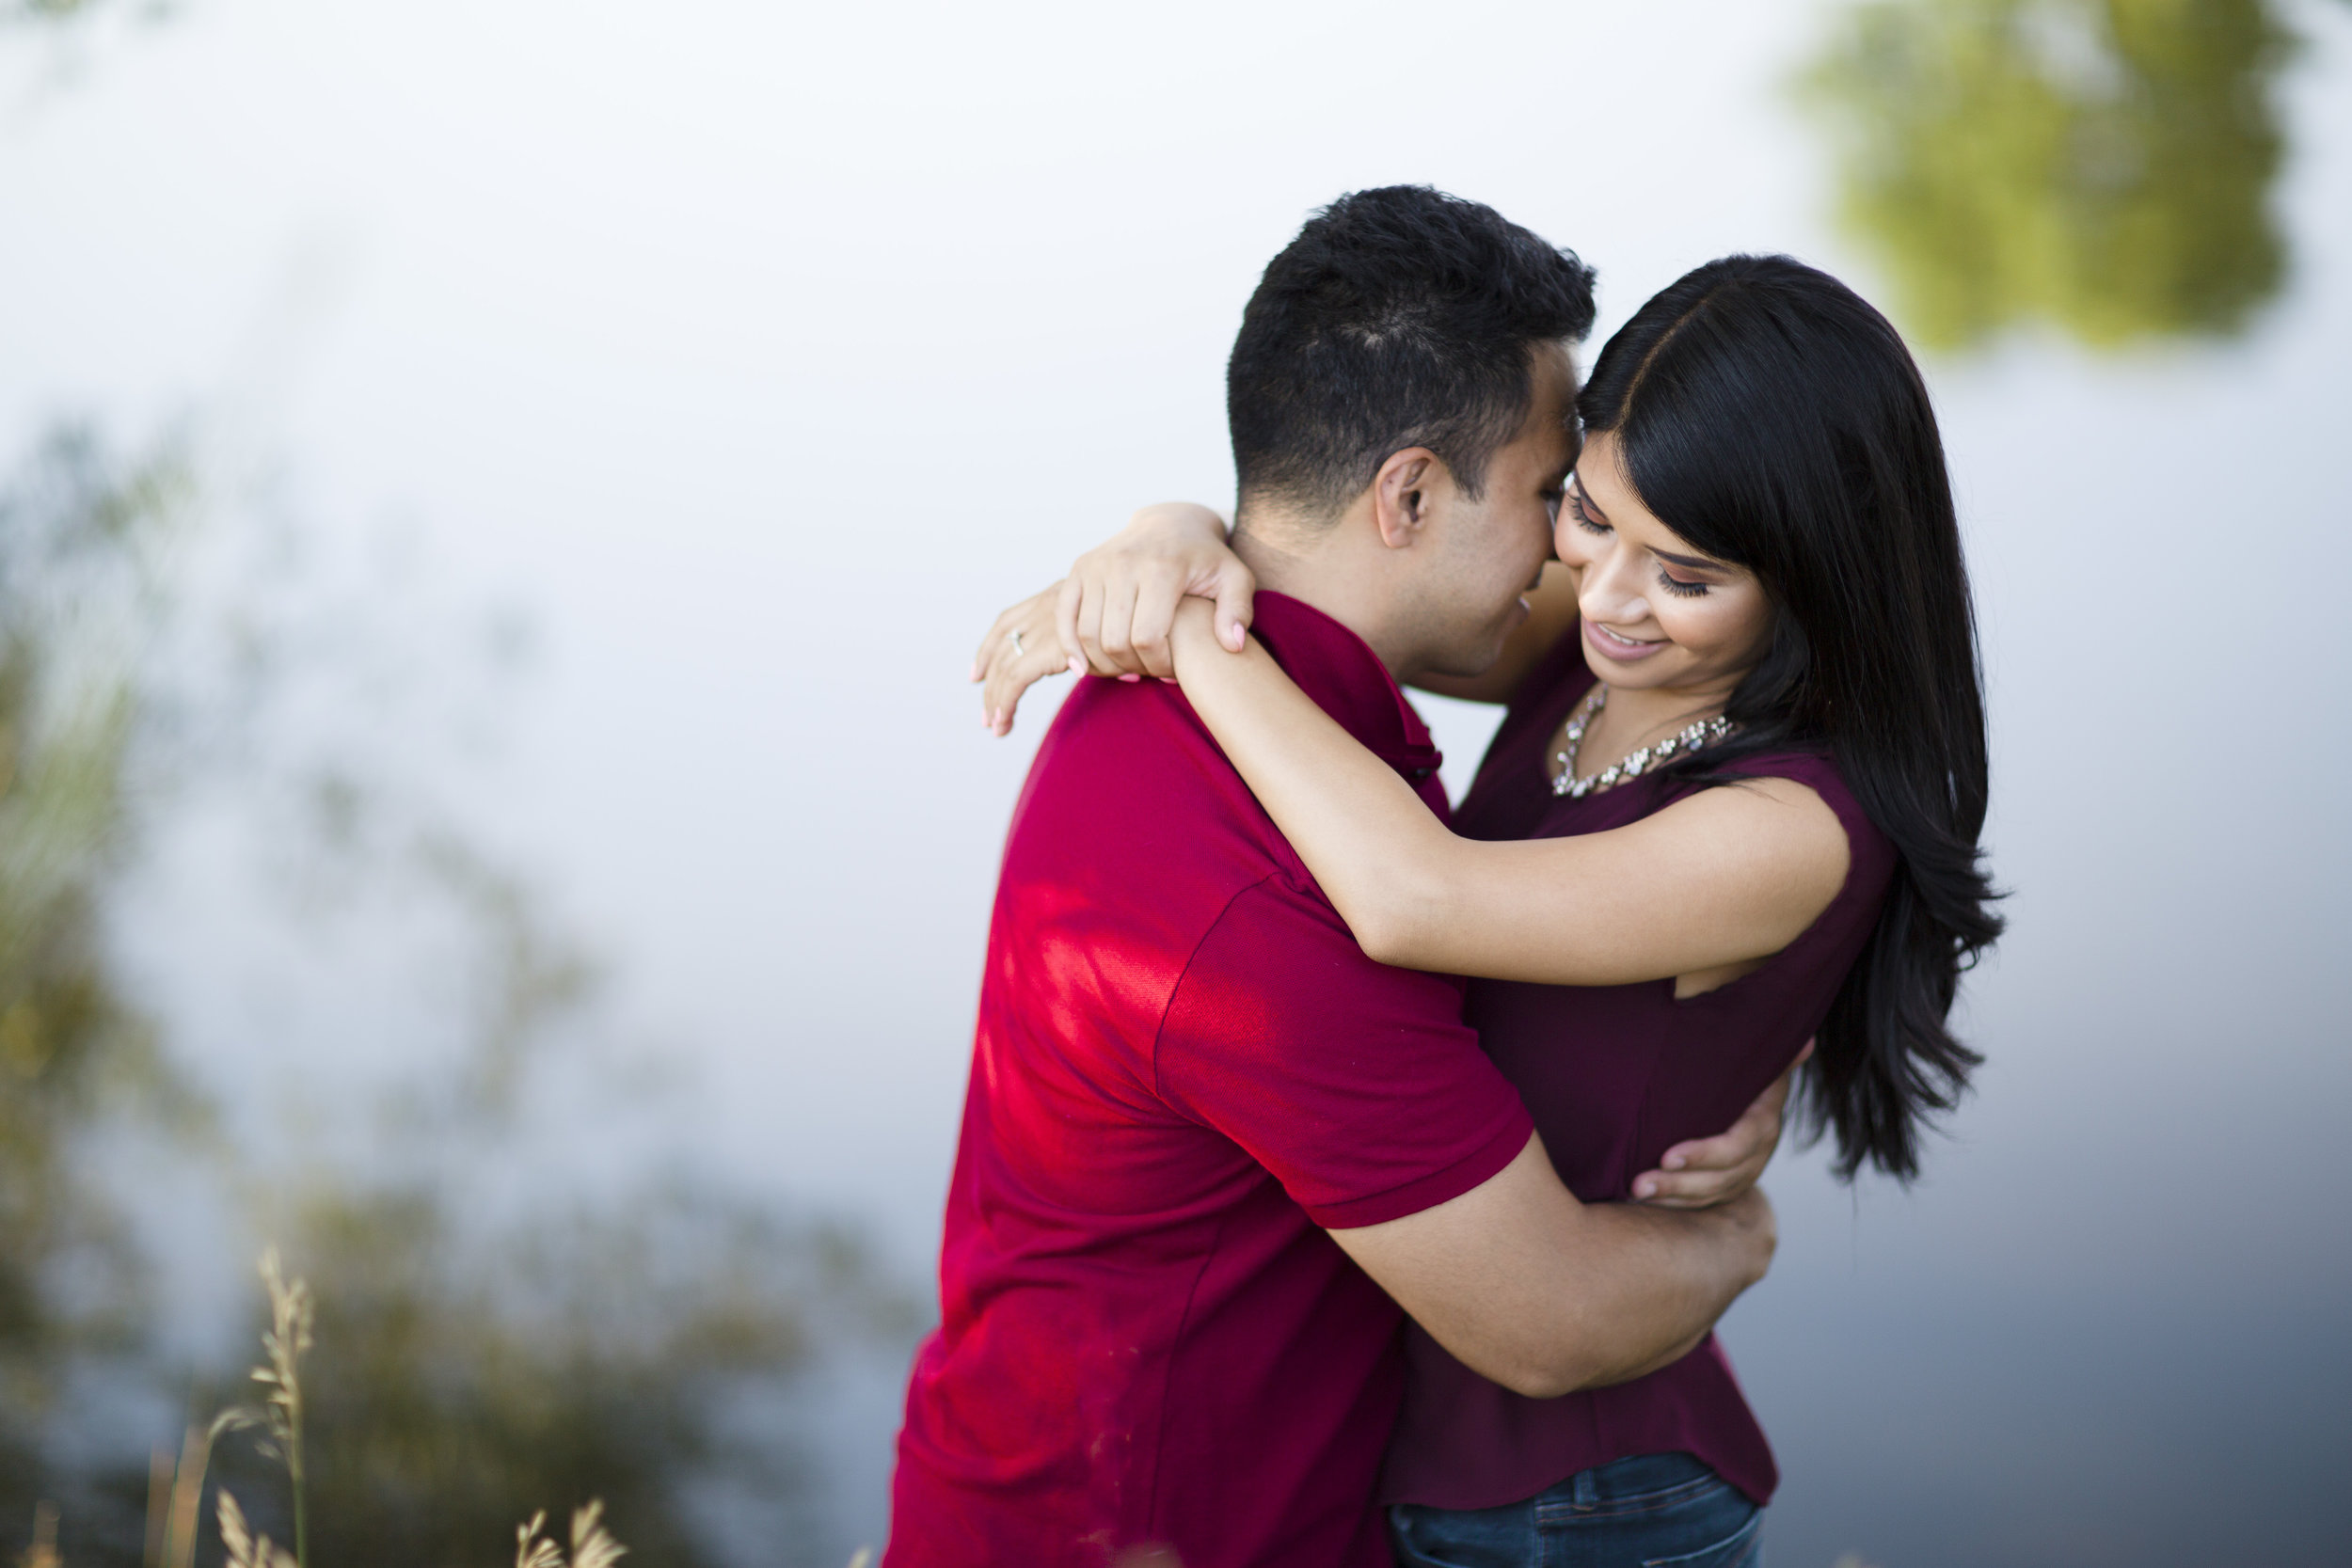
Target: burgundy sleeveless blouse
pixel 1616 1075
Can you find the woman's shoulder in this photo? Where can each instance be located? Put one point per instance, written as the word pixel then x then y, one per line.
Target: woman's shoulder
pixel 1805 764
pixel 1872 852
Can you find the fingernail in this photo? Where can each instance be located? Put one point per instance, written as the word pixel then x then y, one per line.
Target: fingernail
pixel 1645 1188
pixel 1131 679
pixel 1077 665
pixel 1673 1162
pixel 1167 680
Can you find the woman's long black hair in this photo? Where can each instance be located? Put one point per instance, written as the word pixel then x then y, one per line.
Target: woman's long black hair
pixel 1767 414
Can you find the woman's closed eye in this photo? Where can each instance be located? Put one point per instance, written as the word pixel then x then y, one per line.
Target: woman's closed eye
pixel 1675 585
pixel 1583 514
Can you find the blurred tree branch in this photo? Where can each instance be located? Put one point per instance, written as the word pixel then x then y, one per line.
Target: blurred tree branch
pixel 2105 165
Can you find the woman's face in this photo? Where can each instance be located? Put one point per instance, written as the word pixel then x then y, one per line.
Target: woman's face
pixel 1656 612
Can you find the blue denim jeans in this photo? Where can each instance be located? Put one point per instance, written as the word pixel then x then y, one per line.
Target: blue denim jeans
pixel 1652 1510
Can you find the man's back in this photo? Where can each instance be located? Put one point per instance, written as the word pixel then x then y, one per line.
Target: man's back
pixel 1185 1069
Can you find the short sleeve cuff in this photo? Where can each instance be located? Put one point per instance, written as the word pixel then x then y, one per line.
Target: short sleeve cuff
pixel 1467 1174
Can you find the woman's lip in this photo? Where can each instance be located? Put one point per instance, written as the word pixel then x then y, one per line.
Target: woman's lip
pixel 1624 650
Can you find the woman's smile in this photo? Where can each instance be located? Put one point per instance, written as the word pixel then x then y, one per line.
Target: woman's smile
pixel 1617 648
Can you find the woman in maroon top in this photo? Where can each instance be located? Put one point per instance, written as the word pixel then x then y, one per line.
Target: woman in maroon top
pixel 1735 806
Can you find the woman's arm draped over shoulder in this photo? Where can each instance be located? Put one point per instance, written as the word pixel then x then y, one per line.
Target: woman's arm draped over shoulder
pixel 1727 875
pixel 1112 614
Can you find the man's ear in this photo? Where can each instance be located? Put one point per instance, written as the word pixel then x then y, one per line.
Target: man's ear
pixel 1401 495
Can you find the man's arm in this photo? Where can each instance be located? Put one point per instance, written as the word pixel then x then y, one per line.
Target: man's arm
pixel 1546 1295
pixel 1359 1088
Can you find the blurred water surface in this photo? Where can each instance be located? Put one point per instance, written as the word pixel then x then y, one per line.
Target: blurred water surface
pixel 606 432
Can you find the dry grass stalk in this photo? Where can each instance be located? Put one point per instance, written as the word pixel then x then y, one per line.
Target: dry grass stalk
pixel 172 1519
pixel 288 1340
pixel 159 1479
pixel 187 1497
pixel 175 1491
pixel 285 1342
pixel 42 1553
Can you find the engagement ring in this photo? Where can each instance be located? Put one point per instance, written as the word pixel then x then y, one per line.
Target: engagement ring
pixel 1016 643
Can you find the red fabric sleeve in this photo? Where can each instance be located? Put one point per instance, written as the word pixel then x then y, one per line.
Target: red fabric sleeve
pixel 1355 1084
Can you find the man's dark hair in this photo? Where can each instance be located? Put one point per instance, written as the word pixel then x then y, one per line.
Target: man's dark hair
pixel 1400 317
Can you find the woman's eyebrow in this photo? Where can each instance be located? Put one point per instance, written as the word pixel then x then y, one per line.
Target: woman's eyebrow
pixel 1692 562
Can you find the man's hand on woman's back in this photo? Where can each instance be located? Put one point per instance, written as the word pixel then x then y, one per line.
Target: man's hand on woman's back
pixel 1531 1289
pixel 1543 1294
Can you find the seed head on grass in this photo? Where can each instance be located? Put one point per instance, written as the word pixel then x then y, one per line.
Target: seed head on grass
pixel 533 1550
pixel 244 1549
pixel 593 1546
pixel 285 1342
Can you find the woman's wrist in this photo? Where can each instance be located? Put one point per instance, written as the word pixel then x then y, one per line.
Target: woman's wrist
pixel 1193 636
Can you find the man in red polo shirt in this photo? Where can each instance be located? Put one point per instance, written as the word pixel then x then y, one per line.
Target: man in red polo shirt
pixel 1210 1150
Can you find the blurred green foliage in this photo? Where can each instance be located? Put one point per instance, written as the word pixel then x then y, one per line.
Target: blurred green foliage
pixel 76 536
pixel 2105 165
pixel 40 12
pixel 491 1341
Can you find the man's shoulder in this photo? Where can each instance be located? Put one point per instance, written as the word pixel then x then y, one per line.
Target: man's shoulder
pixel 1113 724
pixel 1129 784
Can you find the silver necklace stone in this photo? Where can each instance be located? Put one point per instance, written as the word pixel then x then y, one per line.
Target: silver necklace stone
pixel 1687 739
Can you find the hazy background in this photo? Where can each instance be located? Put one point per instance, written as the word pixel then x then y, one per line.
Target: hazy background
pixel 589 440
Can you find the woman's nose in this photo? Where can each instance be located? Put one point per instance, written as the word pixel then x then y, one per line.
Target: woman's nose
pixel 1612 592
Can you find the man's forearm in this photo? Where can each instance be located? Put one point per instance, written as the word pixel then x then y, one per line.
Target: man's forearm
pixel 1651 1289
pixel 1545 1295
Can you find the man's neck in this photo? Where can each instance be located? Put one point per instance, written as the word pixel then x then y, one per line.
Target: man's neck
pixel 1310 562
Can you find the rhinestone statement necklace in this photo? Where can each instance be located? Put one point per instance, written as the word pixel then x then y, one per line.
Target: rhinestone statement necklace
pixel 1690 738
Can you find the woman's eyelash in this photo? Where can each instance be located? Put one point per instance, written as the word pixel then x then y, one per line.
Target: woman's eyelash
pixel 1575 503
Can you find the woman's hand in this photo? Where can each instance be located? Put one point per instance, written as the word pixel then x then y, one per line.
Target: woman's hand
pixel 1120 600
pixel 1113 613
pixel 1020 650
pixel 1707 1171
